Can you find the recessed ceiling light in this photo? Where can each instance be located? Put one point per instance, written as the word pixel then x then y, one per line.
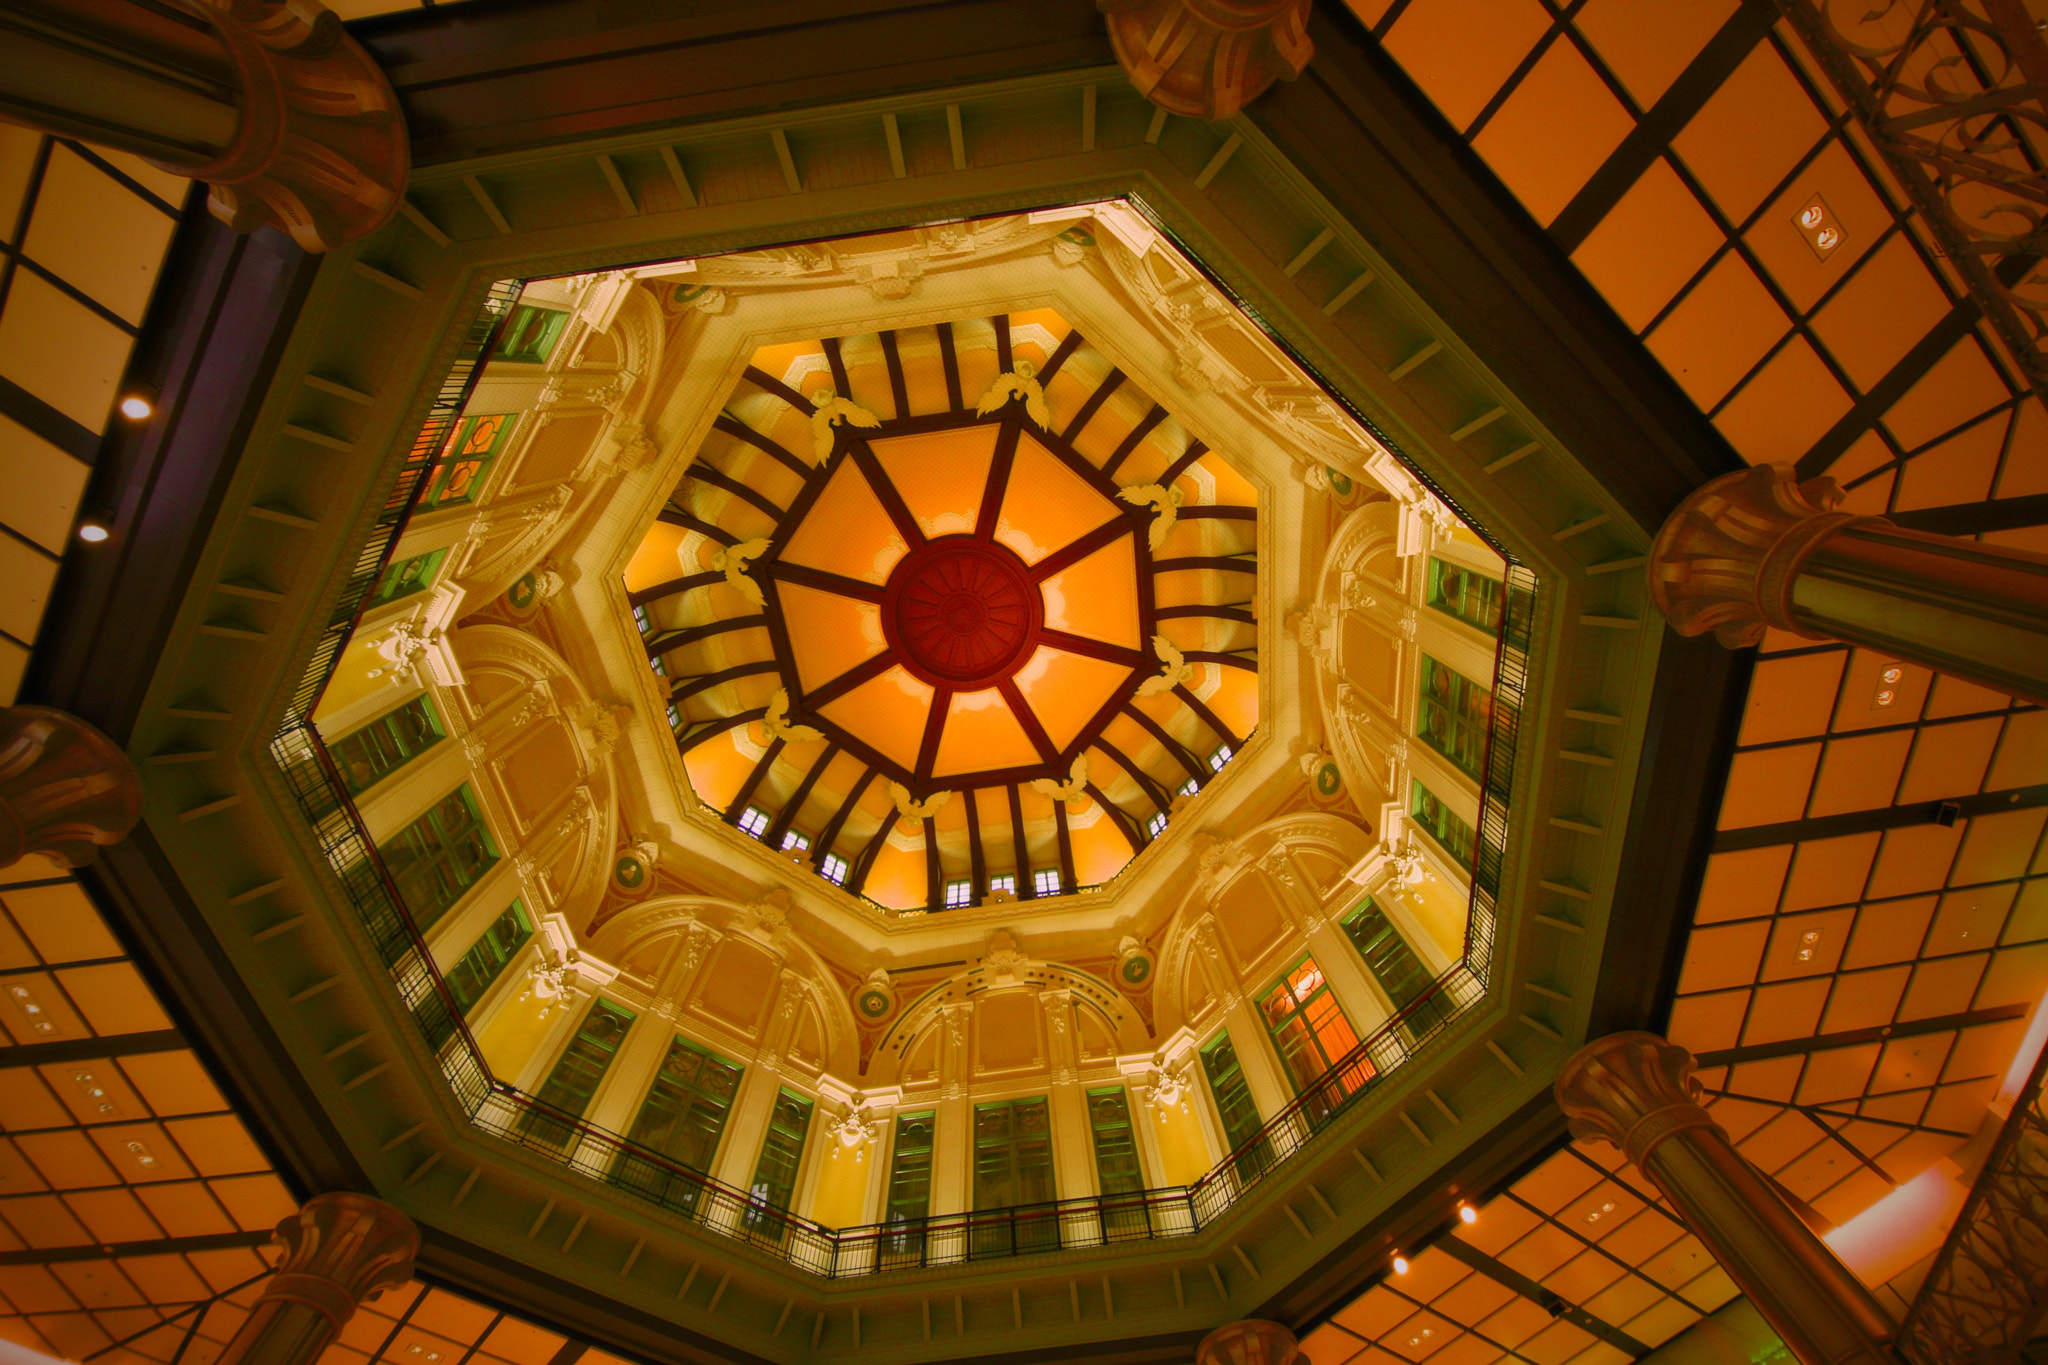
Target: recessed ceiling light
pixel 92 532
pixel 136 407
pixel 1467 1214
pixel 1400 1264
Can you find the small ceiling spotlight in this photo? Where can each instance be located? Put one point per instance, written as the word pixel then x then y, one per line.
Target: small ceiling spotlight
pixel 92 532
pixel 136 408
pixel 1467 1214
pixel 1400 1264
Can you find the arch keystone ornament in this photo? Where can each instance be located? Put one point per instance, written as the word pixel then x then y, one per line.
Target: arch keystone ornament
pixel 1637 1092
pixel 339 1251
pixel 1761 548
pixel 1208 58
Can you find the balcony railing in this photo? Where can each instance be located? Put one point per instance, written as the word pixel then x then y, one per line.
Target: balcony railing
pixel 905 1244
pixel 1986 1296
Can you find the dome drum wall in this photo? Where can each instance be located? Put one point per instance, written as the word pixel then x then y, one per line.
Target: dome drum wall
pixel 816 913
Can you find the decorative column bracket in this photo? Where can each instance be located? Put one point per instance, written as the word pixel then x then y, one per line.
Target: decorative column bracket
pixel 1957 143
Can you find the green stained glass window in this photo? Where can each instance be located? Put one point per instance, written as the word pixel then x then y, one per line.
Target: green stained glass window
pixel 1116 1150
pixel 440 855
pixel 530 334
pixel 685 1112
pixel 1012 1167
pixel 783 1151
pixel 486 959
pixel 1441 823
pixel 910 1171
pixel 570 1086
pixel 1395 966
pixel 1465 593
pixel 407 577
pixel 1453 716
pixel 1234 1103
pixel 367 756
pixel 458 472
pixel 1012 1154
pixel 1308 1028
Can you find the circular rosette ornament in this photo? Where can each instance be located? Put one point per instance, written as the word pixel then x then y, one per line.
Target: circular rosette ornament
pixel 1135 964
pixel 874 1000
pixel 1325 779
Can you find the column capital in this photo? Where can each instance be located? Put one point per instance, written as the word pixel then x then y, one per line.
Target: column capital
pixel 1631 1090
pixel 320 149
pixel 1252 1341
pixel 340 1249
pixel 1206 58
pixel 65 788
pixel 1726 559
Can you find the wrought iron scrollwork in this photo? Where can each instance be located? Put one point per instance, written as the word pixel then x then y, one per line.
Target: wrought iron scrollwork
pixel 1986 1295
pixel 1954 93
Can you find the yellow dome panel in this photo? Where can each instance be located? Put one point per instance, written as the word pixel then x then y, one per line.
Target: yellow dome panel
pixel 1047 505
pixel 888 712
pixel 1098 597
pixel 828 633
pixel 1065 690
pixel 982 734
pixel 846 531
pixel 941 475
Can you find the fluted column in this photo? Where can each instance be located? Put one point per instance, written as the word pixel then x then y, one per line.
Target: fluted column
pixel 65 788
pixel 1761 548
pixel 339 1250
pixel 1252 1341
pixel 268 101
pixel 1637 1092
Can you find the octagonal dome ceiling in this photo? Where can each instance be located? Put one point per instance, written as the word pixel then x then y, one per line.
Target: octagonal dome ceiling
pixel 954 612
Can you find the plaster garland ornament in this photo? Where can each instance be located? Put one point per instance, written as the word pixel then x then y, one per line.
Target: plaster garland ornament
pixel 776 725
pixel 1073 791
pixel 833 410
pixel 1165 504
pixel 1172 1086
pixel 539 702
pixel 910 815
pixel 854 1131
pixel 1021 382
pixel 1174 669
pixel 767 919
pixel 736 561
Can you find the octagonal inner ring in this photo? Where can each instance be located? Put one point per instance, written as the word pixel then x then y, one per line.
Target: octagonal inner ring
pixel 962 613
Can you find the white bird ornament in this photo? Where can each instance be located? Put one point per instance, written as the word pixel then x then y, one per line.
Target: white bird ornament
pixel 1073 791
pixel 776 722
pixel 830 405
pixel 735 560
pixel 1174 669
pixel 915 813
pixel 1165 503
pixel 1019 382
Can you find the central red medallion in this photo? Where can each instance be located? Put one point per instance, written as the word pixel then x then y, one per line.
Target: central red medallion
pixel 962 613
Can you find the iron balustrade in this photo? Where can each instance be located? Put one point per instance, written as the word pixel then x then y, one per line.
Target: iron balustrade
pixel 613 1160
pixel 1986 1295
